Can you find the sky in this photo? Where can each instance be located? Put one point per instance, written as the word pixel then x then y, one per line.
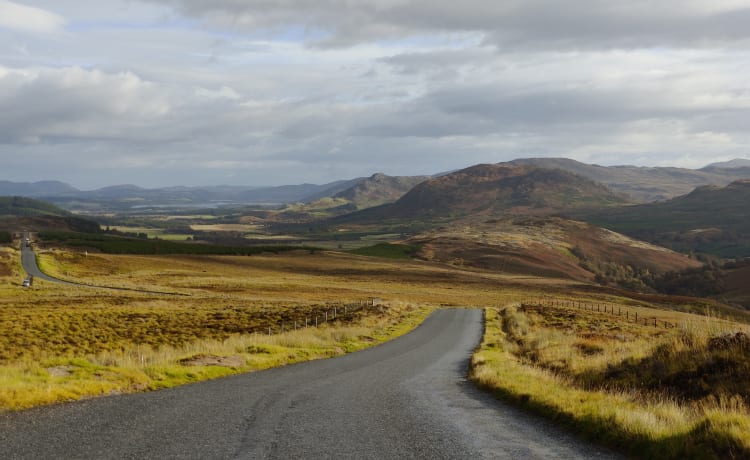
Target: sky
pixel 262 92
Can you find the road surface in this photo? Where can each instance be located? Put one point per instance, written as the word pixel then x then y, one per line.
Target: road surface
pixel 28 261
pixel 405 399
pixel 30 266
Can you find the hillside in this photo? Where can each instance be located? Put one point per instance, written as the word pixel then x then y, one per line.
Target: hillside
pixel 348 197
pixel 710 219
pixel 493 190
pixel 20 206
pixel 19 213
pixel 732 164
pixel 379 189
pixel 550 246
pixel 646 184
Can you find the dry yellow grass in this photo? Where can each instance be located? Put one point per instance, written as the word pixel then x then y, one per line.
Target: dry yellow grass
pixel 300 276
pixel 227 290
pixel 575 366
pixel 52 379
pixel 100 340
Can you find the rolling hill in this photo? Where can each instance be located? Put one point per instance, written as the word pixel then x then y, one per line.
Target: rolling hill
pixel 18 213
pixel 646 184
pixel 379 189
pixel 493 190
pixel 710 219
pixel 549 246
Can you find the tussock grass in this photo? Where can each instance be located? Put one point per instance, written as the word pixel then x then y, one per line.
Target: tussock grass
pixel 565 364
pixel 28 383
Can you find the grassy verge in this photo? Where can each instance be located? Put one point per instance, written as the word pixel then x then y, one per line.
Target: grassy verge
pixel 29 383
pixel 617 383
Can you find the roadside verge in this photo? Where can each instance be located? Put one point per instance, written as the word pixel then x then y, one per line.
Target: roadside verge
pixel 621 419
pixel 61 379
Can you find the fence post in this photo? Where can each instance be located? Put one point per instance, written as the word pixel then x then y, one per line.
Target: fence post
pixel 326 316
pixel 269 330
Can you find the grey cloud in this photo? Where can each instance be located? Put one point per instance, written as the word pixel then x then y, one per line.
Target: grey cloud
pixel 207 101
pixel 483 110
pixel 574 24
pixel 73 102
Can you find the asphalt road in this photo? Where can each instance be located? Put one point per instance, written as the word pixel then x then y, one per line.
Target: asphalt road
pixel 30 266
pixel 405 399
pixel 28 261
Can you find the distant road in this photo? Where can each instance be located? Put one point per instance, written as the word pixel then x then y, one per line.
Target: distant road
pixel 30 266
pixel 28 261
pixel 405 399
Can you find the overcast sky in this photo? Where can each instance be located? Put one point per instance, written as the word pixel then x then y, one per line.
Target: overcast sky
pixel 264 92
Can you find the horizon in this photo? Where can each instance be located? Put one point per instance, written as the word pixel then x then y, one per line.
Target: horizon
pixel 269 93
pixel 314 183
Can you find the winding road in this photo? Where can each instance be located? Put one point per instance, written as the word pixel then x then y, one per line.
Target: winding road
pixel 408 398
pixel 30 266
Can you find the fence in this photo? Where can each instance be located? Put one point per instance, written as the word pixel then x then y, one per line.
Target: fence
pixel 625 313
pixel 332 312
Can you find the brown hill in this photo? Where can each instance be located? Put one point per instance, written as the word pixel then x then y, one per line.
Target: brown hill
pixel 709 219
pixel 644 184
pixel 379 189
pixel 550 246
pixel 494 190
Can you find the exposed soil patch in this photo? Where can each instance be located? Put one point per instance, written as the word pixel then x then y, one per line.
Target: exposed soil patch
pixel 213 360
pixel 60 371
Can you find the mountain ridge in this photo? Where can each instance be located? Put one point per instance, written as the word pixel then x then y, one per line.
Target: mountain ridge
pixel 492 190
pixel 709 219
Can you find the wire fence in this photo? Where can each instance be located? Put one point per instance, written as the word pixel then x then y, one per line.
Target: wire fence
pixel 333 312
pixel 624 313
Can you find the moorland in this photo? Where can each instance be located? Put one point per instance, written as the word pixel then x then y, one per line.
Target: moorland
pixel 625 320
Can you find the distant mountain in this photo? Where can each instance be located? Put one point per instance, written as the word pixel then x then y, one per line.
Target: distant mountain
pixel 643 184
pixel 379 189
pixel 731 164
pixel 709 219
pixel 331 189
pixel 494 190
pixel 36 189
pixel 126 196
pixel 291 193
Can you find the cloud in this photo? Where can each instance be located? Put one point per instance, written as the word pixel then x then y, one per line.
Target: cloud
pixel 537 24
pixel 268 92
pixel 25 18
pixel 48 103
